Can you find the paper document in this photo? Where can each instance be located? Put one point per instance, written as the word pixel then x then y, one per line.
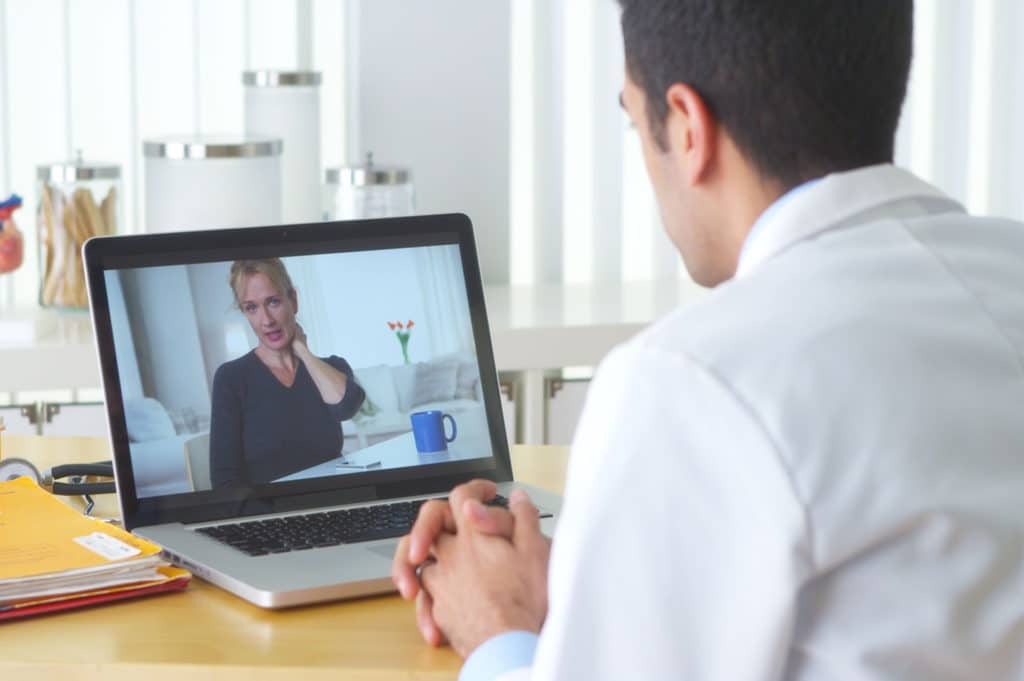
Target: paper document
pixel 49 551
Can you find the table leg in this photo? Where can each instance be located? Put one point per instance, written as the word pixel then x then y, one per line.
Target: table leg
pixel 534 407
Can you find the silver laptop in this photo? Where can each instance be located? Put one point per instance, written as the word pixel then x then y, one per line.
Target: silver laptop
pixel 282 399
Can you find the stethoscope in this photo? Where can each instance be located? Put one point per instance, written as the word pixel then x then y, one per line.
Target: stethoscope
pixel 76 473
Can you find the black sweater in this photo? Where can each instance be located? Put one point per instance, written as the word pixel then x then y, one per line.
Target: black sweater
pixel 261 430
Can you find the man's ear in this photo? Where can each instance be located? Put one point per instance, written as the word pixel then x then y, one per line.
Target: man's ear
pixel 691 130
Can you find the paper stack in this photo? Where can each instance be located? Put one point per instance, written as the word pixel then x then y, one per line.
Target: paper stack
pixel 53 558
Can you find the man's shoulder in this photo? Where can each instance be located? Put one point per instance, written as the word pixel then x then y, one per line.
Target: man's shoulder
pixel 847 298
pixel 839 293
pixel 736 319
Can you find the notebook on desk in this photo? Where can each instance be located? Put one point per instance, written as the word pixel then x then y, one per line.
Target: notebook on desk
pixel 282 399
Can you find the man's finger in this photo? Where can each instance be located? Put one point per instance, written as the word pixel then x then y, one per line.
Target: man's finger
pixel 488 519
pixel 428 570
pixel 434 518
pixel 480 490
pixel 431 633
pixel 527 518
pixel 403 573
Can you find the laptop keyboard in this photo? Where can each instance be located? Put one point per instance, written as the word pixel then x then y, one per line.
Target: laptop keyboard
pixel 329 528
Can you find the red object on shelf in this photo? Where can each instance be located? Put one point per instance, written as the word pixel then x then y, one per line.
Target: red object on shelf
pixel 12 249
pixel 8 207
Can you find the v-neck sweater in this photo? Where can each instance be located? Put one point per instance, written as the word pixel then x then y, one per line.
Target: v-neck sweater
pixel 261 430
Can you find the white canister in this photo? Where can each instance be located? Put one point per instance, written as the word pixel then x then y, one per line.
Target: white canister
pixel 204 182
pixel 286 105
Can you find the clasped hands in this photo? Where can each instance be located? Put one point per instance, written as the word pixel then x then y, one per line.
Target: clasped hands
pixel 475 571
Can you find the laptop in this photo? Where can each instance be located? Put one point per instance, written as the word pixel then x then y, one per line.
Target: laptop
pixel 281 400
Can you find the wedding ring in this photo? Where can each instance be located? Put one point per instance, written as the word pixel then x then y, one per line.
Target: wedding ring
pixel 419 568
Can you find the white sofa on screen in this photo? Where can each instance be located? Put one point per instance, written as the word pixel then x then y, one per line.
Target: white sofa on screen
pixel 156 449
pixel 450 384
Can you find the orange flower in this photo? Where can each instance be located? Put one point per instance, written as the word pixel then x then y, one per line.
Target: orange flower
pixel 391 325
pixel 409 325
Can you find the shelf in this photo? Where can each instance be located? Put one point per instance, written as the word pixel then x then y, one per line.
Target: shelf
pixel 546 326
pixel 47 350
pixel 549 326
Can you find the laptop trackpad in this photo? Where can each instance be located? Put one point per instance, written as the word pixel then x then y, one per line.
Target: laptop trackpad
pixel 385 550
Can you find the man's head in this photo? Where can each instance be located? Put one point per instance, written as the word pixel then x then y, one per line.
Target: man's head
pixel 737 101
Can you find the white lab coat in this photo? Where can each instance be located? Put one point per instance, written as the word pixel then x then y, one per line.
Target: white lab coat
pixel 815 473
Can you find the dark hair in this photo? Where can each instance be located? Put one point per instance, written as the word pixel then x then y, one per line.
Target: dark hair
pixel 803 87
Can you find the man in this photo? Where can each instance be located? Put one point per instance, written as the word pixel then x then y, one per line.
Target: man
pixel 815 473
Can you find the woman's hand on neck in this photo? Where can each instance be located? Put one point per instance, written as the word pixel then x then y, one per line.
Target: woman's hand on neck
pixel 299 347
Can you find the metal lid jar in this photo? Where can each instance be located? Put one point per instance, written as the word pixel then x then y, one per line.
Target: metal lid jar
pixel 204 182
pixel 367 191
pixel 78 199
pixel 286 105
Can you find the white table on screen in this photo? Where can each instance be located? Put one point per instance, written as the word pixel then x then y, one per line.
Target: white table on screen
pixel 398 452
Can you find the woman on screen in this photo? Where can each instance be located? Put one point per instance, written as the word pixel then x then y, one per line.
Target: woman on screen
pixel 277 409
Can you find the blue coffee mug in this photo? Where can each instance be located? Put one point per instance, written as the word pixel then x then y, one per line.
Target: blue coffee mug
pixel 428 431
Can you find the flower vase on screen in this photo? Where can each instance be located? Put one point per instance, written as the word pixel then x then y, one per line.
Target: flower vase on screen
pixel 402 332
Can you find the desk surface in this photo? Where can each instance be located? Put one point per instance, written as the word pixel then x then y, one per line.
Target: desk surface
pixel 206 633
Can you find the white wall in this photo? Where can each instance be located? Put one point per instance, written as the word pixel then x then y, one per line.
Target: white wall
pixel 162 315
pixel 124 344
pixel 433 95
pixel 361 292
pixel 346 300
pixel 218 321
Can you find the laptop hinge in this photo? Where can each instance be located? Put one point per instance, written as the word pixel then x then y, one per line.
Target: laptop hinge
pixel 351 495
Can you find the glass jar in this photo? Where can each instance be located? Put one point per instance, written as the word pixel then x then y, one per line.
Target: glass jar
pixel 368 191
pixel 77 200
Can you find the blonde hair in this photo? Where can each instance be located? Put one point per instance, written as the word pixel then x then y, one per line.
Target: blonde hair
pixel 272 268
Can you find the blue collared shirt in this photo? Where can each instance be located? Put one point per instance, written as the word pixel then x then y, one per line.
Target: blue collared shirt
pixel 766 217
pixel 501 654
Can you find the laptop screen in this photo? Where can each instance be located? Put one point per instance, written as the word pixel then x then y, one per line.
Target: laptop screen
pixel 296 367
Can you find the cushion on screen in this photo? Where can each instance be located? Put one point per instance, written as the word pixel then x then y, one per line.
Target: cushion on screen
pixel 378 382
pixel 435 382
pixel 147 420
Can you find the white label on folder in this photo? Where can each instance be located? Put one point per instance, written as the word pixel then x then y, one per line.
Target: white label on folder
pixel 109 547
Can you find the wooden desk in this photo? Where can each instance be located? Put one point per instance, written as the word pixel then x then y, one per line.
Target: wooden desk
pixel 206 633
